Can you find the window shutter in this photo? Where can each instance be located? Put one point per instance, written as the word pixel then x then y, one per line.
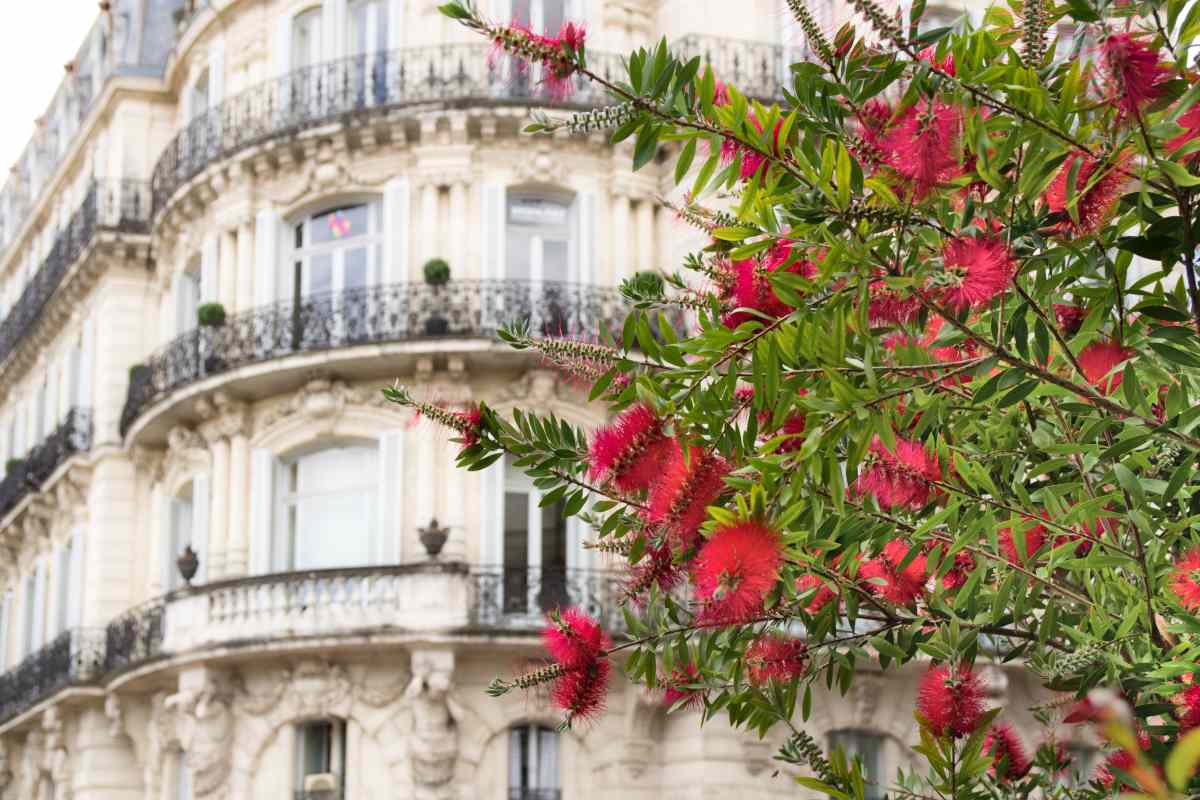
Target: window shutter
pixel 59 582
pixel 395 231
pixel 585 234
pixel 39 606
pixel 283 47
pixel 492 227
pixel 208 269
pixel 262 501
pixel 5 625
pixel 75 591
pixel 266 255
pixel 388 494
pixel 577 12
pixel 395 24
pixel 492 547
pixel 87 347
pixel 165 519
pixel 216 74
pixel 200 514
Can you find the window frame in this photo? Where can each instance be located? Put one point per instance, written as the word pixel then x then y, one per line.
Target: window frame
pixel 529 757
pixel 542 233
pixel 874 788
pixel 298 281
pixel 336 755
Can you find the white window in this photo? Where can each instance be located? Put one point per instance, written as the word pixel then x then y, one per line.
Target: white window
pixel 538 238
pixel 180 780
pixel 335 251
pixel 306 38
pixel 533 763
pixel 534 547
pixel 320 757
pixel 183 515
pixel 33 615
pixel 935 18
pixel 368 30
pixel 326 509
pixel 187 297
pixel 62 581
pixel 867 747
pixel 5 625
pixel 39 414
pixel 540 16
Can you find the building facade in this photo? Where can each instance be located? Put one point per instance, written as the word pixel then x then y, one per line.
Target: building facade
pixel 211 262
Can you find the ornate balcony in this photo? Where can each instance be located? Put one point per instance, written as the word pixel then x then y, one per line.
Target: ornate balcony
pixel 116 205
pixel 370 315
pixel 74 657
pixel 133 638
pixel 73 435
pixel 451 75
pixel 517 598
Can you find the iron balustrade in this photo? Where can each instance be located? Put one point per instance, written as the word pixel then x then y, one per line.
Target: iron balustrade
pixel 134 638
pixel 27 475
pixel 518 597
pixel 120 205
pixel 370 315
pixel 517 793
pixel 456 75
pixel 73 657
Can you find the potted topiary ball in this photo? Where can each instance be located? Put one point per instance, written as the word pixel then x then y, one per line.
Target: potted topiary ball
pixel 437 275
pixel 211 316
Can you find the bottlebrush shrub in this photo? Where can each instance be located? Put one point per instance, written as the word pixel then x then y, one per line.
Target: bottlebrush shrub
pixel 967 267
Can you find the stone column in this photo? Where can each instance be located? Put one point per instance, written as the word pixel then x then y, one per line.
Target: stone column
pixel 429 226
pixel 236 551
pixel 225 420
pixel 645 235
pixel 245 266
pixel 619 252
pixel 227 268
pixel 458 217
pixel 105 765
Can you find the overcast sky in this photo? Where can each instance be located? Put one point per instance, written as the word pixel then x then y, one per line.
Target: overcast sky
pixel 35 42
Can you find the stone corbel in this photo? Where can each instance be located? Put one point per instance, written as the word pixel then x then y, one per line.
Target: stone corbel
pixel 116 717
pixel 223 417
pixel 151 461
pixel 436 715
pixel 181 439
pixel 204 728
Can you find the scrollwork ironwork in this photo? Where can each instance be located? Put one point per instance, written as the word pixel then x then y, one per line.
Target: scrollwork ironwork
pixel 73 657
pixel 73 435
pixel 517 598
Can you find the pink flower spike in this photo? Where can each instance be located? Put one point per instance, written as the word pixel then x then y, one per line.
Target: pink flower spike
pixel 952 705
pixel 1134 73
pixel 630 450
pixel 1185 580
pixel 771 658
pixel 574 639
pixel 734 571
pixel 981 268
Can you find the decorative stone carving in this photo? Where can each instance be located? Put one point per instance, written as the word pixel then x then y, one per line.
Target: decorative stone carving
pixel 326 170
pixel 537 387
pixel 181 439
pixel 321 397
pixel 542 167
pixel 150 460
pixel 319 687
pixel 434 748
pixel 223 418
pixel 55 759
pixel 116 718
pixel 256 704
pixel 204 727
pixel 863 698
pixel 381 696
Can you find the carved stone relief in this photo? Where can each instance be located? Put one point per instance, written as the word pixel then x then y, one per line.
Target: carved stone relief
pixel 434 749
pixel 204 727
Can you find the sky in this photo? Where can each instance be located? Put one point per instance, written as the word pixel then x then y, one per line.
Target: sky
pixel 33 50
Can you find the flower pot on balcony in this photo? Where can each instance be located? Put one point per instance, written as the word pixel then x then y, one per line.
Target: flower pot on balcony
pixel 188 563
pixel 434 538
pixel 13 466
pixel 437 325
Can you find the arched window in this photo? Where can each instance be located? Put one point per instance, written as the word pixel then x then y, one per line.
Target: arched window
pixel 867 747
pixel 335 251
pixel 306 38
pixel 326 509
pixel 534 547
pixel 198 95
pixel 320 758
pixel 539 237
pixel 533 763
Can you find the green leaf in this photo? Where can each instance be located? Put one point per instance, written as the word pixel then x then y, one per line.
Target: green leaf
pixel 685 161
pixel 1183 760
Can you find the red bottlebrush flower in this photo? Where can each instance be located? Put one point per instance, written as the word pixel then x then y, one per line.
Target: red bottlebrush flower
pixel 775 658
pixel 964 564
pixel 1134 74
pixel 1099 705
pixel 554 53
pixel 630 450
pixel 734 571
pixel 890 307
pixel 574 639
pixel 1010 761
pixel 886 578
pixel 581 691
pixel 1069 318
pixel 1120 760
pixel 1096 205
pixel 874 119
pixel 951 705
pixel 792 427
pixel 1098 359
pixel 676 688
pixel 721 94
pixel 900 479
pixel 752 159
pixel 1187 708
pixel 679 500
pixel 1190 121
pixel 1185 580
pixel 472 420
pixel 752 285
pixel 657 568
pixel 743 396
pixel 822 598
pixel 929 56
pixel 982 268
pixel 1034 538
pixel 923 146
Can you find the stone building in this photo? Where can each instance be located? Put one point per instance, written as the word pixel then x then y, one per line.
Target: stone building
pixel 297 163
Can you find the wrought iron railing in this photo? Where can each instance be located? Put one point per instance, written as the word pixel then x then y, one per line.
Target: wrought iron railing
pixel 374 314
pixel 517 598
pixel 114 204
pixel 314 95
pixel 453 74
pixel 26 475
pixel 134 638
pixel 73 657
